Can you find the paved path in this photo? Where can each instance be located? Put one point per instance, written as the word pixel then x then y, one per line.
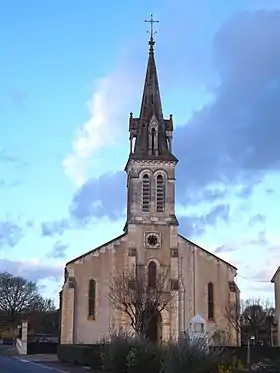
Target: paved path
pixel 10 364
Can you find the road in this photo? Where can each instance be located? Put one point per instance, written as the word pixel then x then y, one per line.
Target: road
pixel 12 365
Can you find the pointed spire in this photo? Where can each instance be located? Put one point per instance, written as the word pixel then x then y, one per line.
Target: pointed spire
pixel 151 101
pixel 153 133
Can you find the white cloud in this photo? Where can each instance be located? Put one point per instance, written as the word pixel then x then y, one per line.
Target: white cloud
pixel 109 112
pixel 34 270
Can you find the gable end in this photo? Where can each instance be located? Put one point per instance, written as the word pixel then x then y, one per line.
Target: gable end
pixel 275 275
pixel 208 252
pixel 96 249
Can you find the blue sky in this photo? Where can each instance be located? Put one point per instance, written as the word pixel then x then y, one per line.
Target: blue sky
pixel 71 72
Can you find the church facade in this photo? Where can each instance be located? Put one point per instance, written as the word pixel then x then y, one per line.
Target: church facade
pixel 204 284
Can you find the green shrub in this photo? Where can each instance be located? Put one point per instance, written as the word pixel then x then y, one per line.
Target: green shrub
pixel 266 366
pixel 128 354
pixel 123 353
pixel 231 368
pixel 144 357
pixel 114 353
pixel 258 353
pixel 191 355
pixel 83 355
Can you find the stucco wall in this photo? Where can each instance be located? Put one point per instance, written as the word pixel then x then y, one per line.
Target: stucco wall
pixel 198 269
pixel 194 268
pixel 100 266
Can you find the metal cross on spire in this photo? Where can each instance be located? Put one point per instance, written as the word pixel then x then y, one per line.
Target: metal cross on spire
pixel 151 21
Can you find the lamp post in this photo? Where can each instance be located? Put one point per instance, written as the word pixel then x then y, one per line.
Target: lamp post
pixel 252 338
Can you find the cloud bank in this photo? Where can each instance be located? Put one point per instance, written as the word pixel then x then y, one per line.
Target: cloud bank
pixel 110 100
pixel 233 140
pixel 32 270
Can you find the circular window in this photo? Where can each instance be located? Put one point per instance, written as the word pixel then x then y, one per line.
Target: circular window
pixel 152 240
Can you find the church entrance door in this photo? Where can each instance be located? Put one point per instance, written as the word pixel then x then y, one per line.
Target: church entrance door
pixel 154 328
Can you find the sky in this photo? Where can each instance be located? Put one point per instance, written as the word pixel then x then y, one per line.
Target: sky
pixel 70 74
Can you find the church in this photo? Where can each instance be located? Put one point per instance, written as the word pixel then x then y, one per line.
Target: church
pixel 204 284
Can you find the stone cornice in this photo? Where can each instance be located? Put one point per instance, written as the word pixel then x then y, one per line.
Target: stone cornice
pixel 152 162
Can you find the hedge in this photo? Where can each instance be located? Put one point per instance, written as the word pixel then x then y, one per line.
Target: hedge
pixel 80 354
pixel 257 353
pixel 90 355
pixel 34 348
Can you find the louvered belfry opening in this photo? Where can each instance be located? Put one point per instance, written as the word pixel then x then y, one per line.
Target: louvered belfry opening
pixel 160 193
pixel 146 191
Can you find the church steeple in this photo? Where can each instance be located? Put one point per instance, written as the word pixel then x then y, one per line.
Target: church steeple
pixel 151 102
pixel 151 165
pixel 152 133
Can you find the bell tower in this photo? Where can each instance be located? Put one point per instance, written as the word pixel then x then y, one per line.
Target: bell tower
pixel 151 224
pixel 151 164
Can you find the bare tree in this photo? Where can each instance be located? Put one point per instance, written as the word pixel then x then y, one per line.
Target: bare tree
pixel 131 294
pixel 220 337
pixel 40 313
pixel 232 313
pixel 254 318
pixel 19 298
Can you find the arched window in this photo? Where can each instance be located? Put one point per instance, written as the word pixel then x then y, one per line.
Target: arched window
pixel 146 193
pixel 210 301
pixel 91 298
pixel 152 275
pixel 160 193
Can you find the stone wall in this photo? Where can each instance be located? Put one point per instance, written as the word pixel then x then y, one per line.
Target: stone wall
pixel 21 344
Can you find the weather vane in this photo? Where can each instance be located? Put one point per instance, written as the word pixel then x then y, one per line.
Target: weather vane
pixel 151 21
